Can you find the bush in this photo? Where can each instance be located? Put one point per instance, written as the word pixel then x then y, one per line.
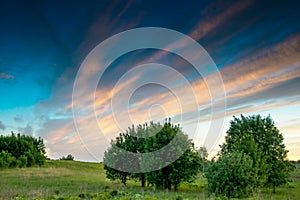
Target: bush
pixel 23 161
pixel 5 159
pixel 20 150
pixel 114 193
pixel 30 159
pixel 231 175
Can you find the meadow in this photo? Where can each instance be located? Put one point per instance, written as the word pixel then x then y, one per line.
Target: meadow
pixel 82 180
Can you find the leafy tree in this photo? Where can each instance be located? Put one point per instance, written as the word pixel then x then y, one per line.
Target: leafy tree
pixel 260 139
pixel 150 138
pixel 184 168
pixel 231 175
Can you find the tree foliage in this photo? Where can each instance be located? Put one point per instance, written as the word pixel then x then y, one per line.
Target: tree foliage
pixel 202 152
pixel 231 175
pixel 259 139
pixel 151 138
pixel 18 150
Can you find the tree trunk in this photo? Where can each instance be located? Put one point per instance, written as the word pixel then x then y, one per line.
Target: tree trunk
pixel 273 188
pixel 124 178
pixel 175 187
pixel 143 179
pixel 169 185
pixel 228 194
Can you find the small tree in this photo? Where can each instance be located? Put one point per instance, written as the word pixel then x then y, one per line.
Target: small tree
pixel 231 175
pixel 260 139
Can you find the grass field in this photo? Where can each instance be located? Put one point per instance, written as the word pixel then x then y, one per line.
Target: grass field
pixel 79 180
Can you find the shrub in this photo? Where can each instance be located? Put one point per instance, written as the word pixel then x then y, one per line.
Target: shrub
pixel 5 159
pixel 114 193
pixel 20 150
pixel 231 175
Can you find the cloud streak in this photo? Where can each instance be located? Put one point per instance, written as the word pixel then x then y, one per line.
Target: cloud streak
pixel 6 76
pixel 2 126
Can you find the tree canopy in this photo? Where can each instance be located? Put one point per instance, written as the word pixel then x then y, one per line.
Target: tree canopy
pixel 260 144
pixel 149 138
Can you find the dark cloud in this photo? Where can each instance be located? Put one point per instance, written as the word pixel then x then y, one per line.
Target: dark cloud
pixel 2 126
pixel 28 130
pixel 18 119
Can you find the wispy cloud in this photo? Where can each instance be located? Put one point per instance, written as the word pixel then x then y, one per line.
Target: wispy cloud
pixel 108 24
pixel 6 76
pixel 2 126
pixel 215 20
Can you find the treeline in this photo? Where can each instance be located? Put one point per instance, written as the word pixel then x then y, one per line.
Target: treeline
pixel 18 150
pixel 169 171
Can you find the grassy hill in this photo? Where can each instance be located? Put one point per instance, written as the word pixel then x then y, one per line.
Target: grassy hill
pixel 80 180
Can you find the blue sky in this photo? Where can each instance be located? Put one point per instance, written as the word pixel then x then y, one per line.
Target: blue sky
pixel 255 46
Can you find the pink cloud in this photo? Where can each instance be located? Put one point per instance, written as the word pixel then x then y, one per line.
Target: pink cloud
pixel 6 76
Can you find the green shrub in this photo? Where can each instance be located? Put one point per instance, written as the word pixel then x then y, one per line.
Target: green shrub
pixel 20 151
pixel 105 196
pixel 114 193
pixel 179 197
pixel 23 161
pixel 5 159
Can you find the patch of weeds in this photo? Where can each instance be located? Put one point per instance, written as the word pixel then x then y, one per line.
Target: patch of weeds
pixel 290 185
pixel 179 197
pixel 114 193
pixel 105 196
pixel 106 187
pixel 147 197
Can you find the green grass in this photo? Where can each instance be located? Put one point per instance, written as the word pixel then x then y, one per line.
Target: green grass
pixel 71 179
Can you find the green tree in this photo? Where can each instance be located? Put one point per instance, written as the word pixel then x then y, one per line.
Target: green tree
pixel 231 175
pixel 184 169
pixel 23 150
pixel 260 139
pixel 149 138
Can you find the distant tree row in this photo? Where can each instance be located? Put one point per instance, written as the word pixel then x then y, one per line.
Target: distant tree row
pixel 253 156
pixel 149 138
pixel 18 150
pixel 68 157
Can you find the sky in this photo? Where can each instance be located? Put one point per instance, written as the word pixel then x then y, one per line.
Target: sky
pixel 253 48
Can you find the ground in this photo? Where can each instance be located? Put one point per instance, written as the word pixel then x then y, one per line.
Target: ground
pixel 81 180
